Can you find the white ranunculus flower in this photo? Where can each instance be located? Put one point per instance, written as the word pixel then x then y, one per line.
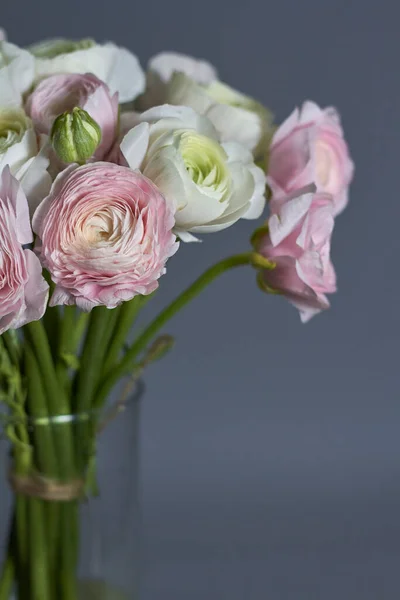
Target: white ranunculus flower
pixel 3 35
pixel 16 73
pixel 21 151
pixel 235 116
pixel 161 68
pixel 212 185
pixel 117 67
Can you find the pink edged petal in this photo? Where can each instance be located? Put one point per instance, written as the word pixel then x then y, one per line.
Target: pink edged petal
pixel 307 311
pixel 36 290
pixel 61 297
pixel 291 215
pixel 298 241
pixel 11 189
pixel 289 161
pixel 286 127
pixel 43 207
pixel 105 235
pixel 310 113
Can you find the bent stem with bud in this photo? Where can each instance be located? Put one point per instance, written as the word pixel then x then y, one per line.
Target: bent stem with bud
pixel 127 364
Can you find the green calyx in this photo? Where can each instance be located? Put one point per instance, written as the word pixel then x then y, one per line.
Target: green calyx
pixel 53 48
pixel 75 136
pixel 206 163
pixel 258 235
pixel 13 125
pixel 264 287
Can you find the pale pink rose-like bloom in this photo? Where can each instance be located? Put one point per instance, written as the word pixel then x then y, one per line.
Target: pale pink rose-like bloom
pixel 60 93
pixel 105 235
pixel 23 290
pixel 298 242
pixel 309 148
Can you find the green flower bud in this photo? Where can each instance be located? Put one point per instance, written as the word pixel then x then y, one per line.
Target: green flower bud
pixel 75 136
pixel 53 48
pixel 13 125
pixel 158 349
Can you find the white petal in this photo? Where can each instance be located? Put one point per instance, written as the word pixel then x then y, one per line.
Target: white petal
pixel 18 154
pixel 117 67
pixel 257 201
pixel 9 95
pixel 165 171
pixel 185 236
pixel 238 153
pixel 35 180
pixel 183 90
pixel 134 145
pixel 126 76
pixel 236 123
pixel 168 118
pixel 167 63
pixel 18 64
pixel 220 226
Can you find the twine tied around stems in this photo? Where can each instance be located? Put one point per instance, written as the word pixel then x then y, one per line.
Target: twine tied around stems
pixel 36 486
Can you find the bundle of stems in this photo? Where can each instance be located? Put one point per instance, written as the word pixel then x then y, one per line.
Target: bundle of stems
pixel 56 378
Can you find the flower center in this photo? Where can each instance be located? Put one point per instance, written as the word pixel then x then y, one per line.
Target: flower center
pixel 13 124
pixel 99 228
pixel 325 166
pixel 205 162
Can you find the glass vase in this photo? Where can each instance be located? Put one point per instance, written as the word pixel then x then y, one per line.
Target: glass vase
pixel 72 491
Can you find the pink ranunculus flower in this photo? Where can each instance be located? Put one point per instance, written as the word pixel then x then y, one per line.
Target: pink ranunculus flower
pixel 23 290
pixel 298 242
pixel 105 235
pixel 59 93
pixel 309 148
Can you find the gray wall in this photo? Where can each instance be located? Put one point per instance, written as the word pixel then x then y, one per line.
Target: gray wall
pixel 271 451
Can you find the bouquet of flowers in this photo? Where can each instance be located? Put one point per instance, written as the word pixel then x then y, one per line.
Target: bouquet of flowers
pixel 106 171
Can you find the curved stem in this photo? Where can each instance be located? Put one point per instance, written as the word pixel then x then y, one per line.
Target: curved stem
pixel 127 363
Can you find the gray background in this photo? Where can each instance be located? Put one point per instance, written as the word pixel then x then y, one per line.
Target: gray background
pixel 271 449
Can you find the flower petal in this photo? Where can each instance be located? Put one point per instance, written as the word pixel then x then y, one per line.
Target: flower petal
pixel 134 145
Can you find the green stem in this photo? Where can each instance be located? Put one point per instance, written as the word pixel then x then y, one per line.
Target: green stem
pixel 66 328
pixel 91 360
pixel 127 315
pixel 69 551
pixel 52 325
pixel 7 577
pixel 87 379
pixel 128 362
pixel 79 329
pixel 11 346
pixel 43 435
pixel 57 400
pixel 39 564
pixel 44 448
